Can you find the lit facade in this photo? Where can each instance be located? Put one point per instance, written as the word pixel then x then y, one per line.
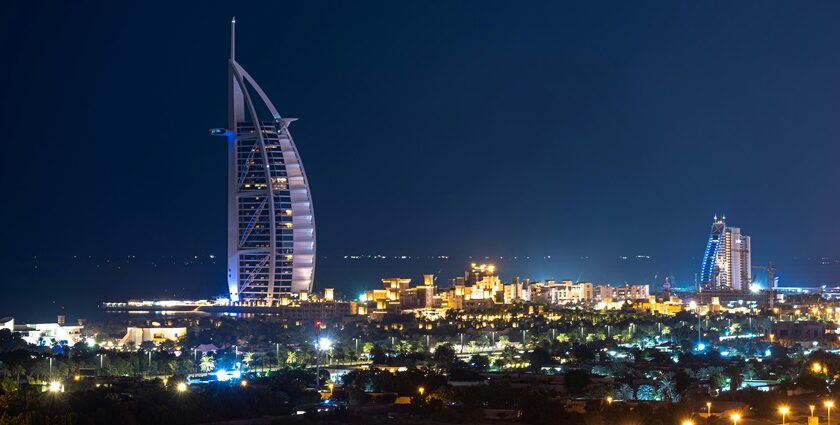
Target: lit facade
pixel 271 225
pixel 727 263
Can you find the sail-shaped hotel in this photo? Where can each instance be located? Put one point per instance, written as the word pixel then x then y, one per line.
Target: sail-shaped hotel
pixel 271 223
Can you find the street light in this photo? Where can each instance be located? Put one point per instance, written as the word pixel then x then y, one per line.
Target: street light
pixel 181 387
pixel 55 387
pixel 709 408
pixel 324 344
pixel 812 409
pixel 735 418
pixel 828 405
pixel 421 390
pixel 609 400
pixel 784 410
pixel 243 383
pixel 686 422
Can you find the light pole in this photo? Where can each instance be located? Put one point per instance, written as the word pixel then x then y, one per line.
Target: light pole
pixel 784 410
pixel 709 408
pixel 324 344
pixel 828 405
pixel 812 409
pixel 687 422
pixel 735 418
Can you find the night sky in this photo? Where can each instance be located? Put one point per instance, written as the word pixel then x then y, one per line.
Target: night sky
pixel 426 128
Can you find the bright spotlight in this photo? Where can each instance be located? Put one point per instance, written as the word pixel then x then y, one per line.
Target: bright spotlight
pixel 181 387
pixel 55 387
pixel 324 344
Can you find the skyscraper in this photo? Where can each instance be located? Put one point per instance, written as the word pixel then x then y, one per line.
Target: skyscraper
pixel 271 225
pixel 727 264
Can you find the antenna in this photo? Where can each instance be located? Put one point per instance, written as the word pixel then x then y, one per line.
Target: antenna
pixel 233 38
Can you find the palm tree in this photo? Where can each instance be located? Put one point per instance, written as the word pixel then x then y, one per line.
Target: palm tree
pixel 207 363
pixel 668 389
pixel 247 359
pixel 18 370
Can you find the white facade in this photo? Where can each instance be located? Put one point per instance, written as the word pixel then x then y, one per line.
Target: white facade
pixel 734 262
pixel 271 224
pixel 138 335
pixel 49 333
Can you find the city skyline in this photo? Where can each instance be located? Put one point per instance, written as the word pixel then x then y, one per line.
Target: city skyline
pixel 513 205
pixel 602 141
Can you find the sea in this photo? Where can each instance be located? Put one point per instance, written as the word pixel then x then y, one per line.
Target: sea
pixel 39 289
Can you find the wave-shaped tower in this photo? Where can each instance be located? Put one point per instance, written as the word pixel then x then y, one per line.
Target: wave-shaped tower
pixel 271 222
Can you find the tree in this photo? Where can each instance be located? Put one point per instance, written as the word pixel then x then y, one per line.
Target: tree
pixel 247 359
pixel 479 362
pixel 207 363
pixel 445 355
pixel 539 358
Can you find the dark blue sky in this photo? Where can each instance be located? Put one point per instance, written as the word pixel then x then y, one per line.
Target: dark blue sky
pixel 461 128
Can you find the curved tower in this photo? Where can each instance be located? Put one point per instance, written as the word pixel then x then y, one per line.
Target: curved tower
pixel 271 224
pixel 727 264
pixel 709 269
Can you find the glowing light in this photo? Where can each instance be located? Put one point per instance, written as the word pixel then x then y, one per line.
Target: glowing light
pixel 222 376
pixel 181 387
pixel 754 288
pixel 701 346
pixel 324 344
pixel 243 383
pixel 55 387
pixel 816 367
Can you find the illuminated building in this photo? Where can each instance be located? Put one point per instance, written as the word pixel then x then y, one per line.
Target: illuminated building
pixel 564 292
pixel 607 293
pixel 138 335
pixel 271 227
pixel 727 263
pixel 47 334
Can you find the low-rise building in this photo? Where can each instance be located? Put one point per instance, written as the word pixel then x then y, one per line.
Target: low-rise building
pixel 157 334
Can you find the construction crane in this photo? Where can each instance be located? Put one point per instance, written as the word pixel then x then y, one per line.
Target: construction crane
pixel 771 282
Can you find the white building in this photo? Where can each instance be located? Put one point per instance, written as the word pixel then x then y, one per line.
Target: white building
pixel 137 335
pixel 49 333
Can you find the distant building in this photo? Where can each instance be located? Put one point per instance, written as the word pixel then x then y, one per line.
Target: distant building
pixel 7 323
pixel 607 293
pixel 138 335
pixel 564 292
pixel 271 225
pixel 727 264
pixel 49 333
pixel 805 331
